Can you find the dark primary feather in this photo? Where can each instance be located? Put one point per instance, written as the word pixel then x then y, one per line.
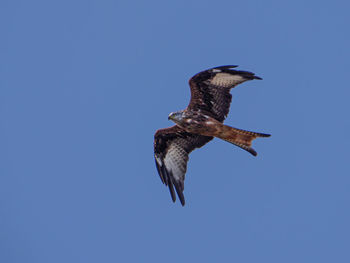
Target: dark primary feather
pixel 214 100
pixel 171 149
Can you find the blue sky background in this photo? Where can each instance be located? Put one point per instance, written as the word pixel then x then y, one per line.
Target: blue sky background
pixel 85 84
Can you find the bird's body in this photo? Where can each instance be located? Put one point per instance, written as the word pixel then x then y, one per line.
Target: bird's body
pixel 199 123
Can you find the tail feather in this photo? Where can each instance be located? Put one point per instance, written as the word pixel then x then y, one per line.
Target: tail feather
pixel 240 138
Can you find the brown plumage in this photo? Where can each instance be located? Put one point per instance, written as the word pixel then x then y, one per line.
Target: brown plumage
pixel 199 123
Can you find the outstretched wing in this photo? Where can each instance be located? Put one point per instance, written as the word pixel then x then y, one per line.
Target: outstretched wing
pixel 171 149
pixel 210 90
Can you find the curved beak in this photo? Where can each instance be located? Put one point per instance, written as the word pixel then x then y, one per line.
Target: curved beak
pixel 170 117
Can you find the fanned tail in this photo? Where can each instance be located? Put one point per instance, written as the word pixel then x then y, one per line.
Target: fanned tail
pixel 240 138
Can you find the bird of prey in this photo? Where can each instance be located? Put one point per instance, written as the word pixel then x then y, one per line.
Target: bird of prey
pixel 199 123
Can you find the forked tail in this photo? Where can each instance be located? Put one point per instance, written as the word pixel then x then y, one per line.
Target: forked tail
pixel 240 138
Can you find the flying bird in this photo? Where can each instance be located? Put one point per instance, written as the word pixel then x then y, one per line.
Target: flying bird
pixel 199 123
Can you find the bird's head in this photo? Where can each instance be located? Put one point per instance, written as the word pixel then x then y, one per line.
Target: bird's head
pixel 176 116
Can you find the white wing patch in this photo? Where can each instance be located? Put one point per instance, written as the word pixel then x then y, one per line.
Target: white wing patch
pixel 176 162
pixel 227 80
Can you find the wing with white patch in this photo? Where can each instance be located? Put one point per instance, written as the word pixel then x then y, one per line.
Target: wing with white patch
pixel 210 90
pixel 171 149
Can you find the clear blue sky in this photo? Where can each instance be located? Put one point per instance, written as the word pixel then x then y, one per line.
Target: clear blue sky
pixel 85 84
